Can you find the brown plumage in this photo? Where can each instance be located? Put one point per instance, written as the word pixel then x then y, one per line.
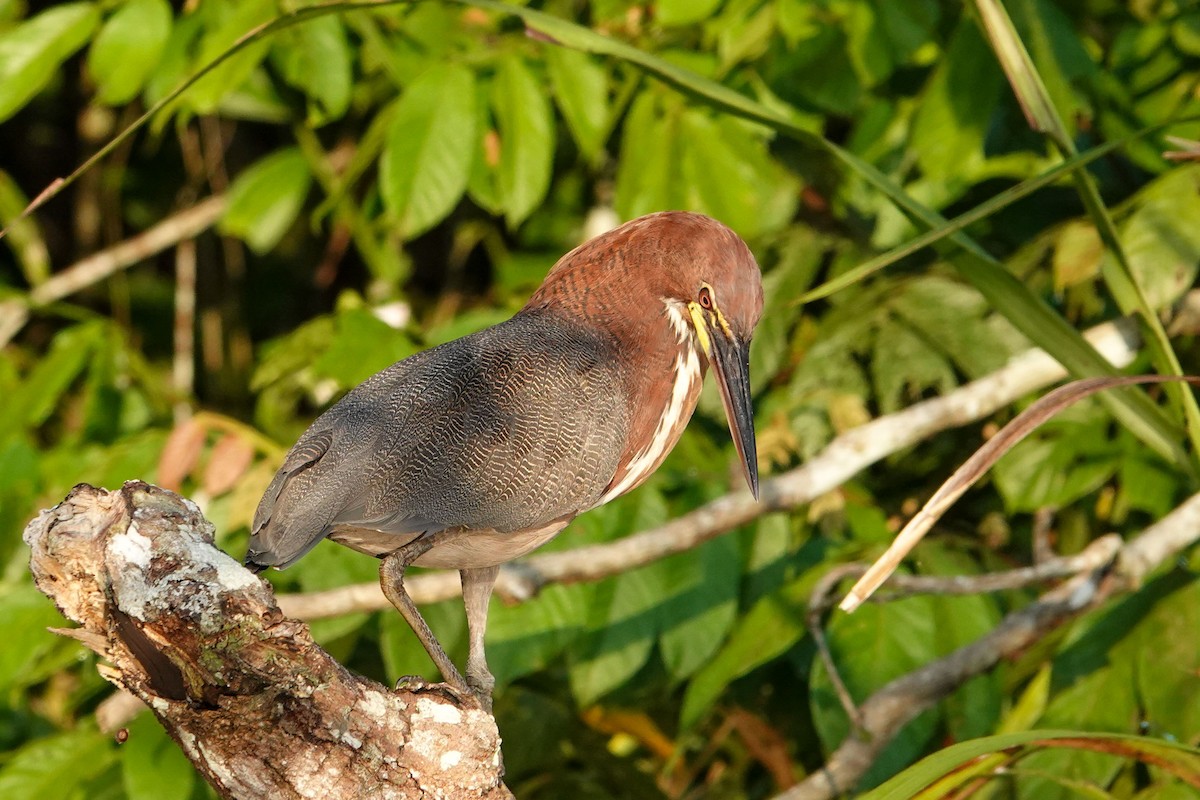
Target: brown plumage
pixel 477 451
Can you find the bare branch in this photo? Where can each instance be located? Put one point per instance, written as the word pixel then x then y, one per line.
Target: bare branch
pixel 888 710
pixel 98 266
pixel 258 708
pixel 844 457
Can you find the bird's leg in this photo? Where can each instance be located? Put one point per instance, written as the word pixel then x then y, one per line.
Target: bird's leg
pixel 391 580
pixel 477 591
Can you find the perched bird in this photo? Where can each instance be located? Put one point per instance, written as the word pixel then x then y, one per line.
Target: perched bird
pixel 479 450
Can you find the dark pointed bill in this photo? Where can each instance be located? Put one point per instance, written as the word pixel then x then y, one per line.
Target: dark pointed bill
pixel 732 367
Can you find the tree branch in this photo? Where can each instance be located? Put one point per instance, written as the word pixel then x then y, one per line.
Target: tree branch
pixel 260 710
pixel 1122 568
pixel 98 266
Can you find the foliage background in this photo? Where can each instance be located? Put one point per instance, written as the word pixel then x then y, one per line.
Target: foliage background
pixel 396 177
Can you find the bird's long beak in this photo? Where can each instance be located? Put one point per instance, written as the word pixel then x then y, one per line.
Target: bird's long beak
pixel 731 362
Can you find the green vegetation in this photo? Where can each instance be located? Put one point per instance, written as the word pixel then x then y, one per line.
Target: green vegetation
pixel 391 176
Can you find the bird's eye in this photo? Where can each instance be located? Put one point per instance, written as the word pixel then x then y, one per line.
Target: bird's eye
pixel 706 301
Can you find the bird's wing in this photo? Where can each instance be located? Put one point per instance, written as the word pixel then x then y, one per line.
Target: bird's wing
pixel 504 430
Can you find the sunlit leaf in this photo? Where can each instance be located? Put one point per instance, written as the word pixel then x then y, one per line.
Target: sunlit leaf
pixel 31 52
pixel 265 199
pixel 427 156
pixel 526 138
pixel 128 48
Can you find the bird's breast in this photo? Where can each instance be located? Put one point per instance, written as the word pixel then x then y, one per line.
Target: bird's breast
pixel 674 403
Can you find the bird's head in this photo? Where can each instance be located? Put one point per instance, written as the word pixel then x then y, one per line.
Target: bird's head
pixel 688 269
pixel 713 277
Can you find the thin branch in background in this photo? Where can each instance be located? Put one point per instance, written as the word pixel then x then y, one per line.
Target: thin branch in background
pixel 86 272
pixel 818 601
pixel 1111 567
pixel 1042 535
pixel 183 363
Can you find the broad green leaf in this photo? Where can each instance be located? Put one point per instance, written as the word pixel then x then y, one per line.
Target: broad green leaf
pixel 429 149
pixel 32 52
pixel 904 366
pixel 1054 468
pixel 622 638
pixel 265 199
pixel 25 613
pixel 683 12
pixel 648 178
pixel 316 59
pixel 956 108
pixel 23 235
pixel 700 604
pixel 1163 248
pixel 128 48
pixel 772 627
pixel 1167 663
pixel 526 638
pixel 56 767
pixel 623 621
pixel 526 129
pixel 402 652
pixel 581 91
pixel 45 385
pixel 361 345
pixel 152 765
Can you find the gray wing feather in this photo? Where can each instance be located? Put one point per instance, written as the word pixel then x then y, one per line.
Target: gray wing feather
pixel 505 430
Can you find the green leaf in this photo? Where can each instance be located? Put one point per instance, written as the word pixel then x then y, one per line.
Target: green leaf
pixel 361 345
pixel 903 366
pixel 526 129
pixel 772 627
pixel 56 767
pixel 1162 246
pixel 402 652
pixel 622 638
pixel 700 604
pixel 648 178
pixel 959 101
pixel 1167 662
pixel 265 199
pixel 316 59
pixel 32 52
pixel 128 48
pixel 683 12
pixel 526 638
pixel 152 765
pixel 51 377
pixel 25 613
pixel 581 91
pixel 623 620
pixel 429 149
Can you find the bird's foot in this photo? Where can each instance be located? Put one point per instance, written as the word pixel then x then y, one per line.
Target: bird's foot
pixel 461 696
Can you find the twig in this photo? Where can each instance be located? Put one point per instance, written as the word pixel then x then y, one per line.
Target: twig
pixel 98 266
pixel 845 456
pixel 890 708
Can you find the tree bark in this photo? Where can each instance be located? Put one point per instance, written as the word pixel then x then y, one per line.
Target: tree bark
pixel 253 702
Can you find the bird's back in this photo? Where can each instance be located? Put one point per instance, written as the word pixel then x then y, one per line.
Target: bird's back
pixel 505 430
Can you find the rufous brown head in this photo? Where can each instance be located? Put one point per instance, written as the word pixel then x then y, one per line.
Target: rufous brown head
pixel 684 267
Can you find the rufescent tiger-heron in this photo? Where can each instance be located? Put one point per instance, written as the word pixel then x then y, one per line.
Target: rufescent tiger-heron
pixel 477 451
